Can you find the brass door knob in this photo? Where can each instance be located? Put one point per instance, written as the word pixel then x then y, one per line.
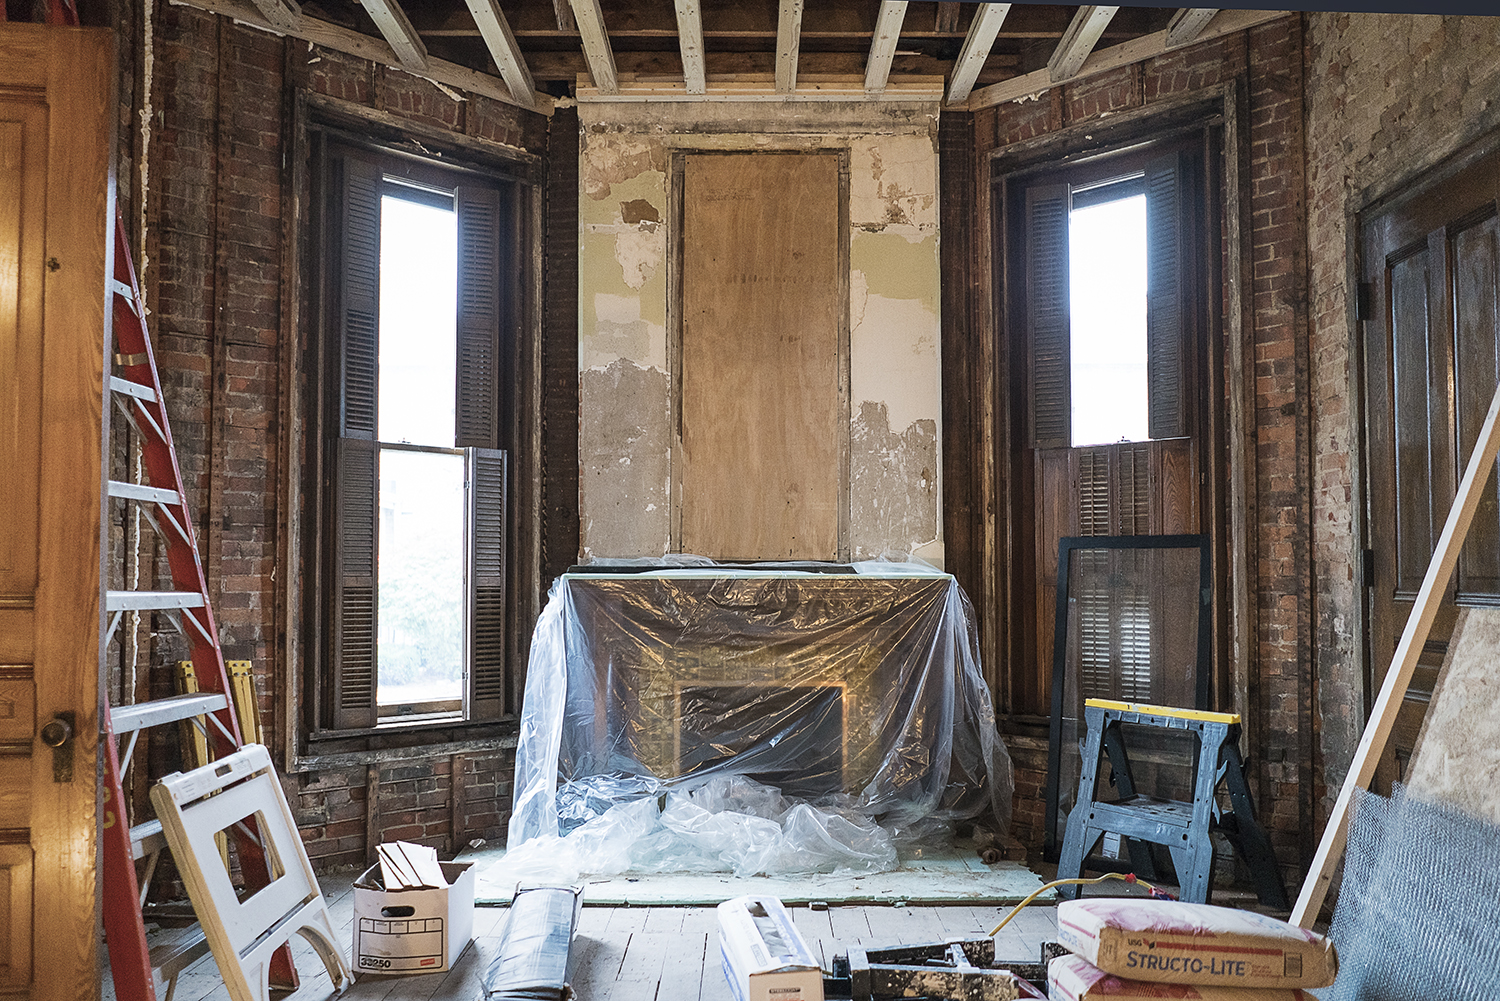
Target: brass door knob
pixel 57 733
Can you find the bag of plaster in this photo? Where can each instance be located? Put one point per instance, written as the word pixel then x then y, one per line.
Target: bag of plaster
pixel 1170 942
pixel 1073 978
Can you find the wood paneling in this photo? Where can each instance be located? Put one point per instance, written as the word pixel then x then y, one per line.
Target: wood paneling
pixel 761 415
pixel 1432 358
pixel 23 151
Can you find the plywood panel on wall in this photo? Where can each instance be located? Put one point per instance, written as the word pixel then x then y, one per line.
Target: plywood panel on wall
pixel 761 415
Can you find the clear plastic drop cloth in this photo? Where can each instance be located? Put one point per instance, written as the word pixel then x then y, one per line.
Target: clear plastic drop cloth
pixel 685 716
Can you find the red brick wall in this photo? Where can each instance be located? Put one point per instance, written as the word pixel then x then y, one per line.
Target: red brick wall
pixel 217 282
pixel 1268 62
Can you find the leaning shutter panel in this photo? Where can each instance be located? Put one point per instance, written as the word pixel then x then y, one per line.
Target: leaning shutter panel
pixel 487 618
pixel 1166 297
pixel 478 317
pixel 359 299
pixel 1047 315
pixel 355 560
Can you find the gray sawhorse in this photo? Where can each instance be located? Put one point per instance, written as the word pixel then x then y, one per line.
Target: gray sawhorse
pixel 1182 828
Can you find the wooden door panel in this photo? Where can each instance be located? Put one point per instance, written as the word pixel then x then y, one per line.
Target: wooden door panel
pixel 1475 250
pixel 57 110
pixel 1432 352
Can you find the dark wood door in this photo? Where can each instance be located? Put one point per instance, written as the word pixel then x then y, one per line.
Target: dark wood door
pixel 1431 268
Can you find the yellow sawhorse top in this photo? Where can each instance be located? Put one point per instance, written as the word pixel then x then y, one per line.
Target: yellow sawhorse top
pixel 1141 707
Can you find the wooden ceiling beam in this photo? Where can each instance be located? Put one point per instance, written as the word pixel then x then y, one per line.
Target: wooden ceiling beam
pixel 1031 85
pixel 565 20
pixel 788 40
pixel 504 50
pixel 883 45
pixel 977 45
pixel 1187 24
pixel 362 46
pixel 596 50
pixel 284 14
pixel 1079 41
pixel 946 22
pixel 398 33
pixel 690 41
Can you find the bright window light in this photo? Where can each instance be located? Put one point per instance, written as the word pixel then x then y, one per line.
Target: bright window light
pixel 1107 276
pixel 421 585
pixel 418 322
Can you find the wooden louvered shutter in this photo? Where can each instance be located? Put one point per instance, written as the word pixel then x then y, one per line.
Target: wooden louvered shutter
pixel 1167 296
pixel 1047 315
pixel 487 615
pixel 479 308
pixel 357 456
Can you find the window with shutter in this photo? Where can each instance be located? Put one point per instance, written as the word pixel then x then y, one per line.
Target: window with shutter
pixel 420 319
pixel 1106 277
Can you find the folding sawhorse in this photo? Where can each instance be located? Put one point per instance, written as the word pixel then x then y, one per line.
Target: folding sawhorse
pixel 1183 828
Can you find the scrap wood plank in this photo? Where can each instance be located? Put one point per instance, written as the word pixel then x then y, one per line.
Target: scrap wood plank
pixel 1403 663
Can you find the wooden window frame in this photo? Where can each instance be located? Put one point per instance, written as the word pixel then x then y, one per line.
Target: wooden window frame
pixel 1207 122
pixel 502 564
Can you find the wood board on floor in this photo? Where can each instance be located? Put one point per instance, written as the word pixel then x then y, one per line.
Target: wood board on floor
pixel 948 875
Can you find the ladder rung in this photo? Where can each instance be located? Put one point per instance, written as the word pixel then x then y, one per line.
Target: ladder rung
pixel 147 838
pixel 125 719
pixel 171 958
pixel 124 291
pixel 142 492
pixel 131 601
pixel 129 388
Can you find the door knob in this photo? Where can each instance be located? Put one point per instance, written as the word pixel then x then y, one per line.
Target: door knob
pixel 58 735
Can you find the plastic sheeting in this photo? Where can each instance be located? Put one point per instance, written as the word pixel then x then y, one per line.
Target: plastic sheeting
pixel 693 717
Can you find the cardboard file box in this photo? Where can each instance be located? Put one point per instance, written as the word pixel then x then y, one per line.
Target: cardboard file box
pixel 412 931
pixel 765 957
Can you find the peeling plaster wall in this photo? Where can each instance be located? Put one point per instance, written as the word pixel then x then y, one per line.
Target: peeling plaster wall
pixel 625 434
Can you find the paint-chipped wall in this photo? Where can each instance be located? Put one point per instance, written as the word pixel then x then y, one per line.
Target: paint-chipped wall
pixel 626 436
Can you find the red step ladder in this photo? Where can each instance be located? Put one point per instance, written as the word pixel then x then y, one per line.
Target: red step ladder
pixel 136 391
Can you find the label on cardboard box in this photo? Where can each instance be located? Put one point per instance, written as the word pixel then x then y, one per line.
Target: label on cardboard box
pixel 413 931
pixel 1073 978
pixel 1168 941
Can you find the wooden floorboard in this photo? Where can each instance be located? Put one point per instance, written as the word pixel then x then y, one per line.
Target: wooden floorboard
pixel 641 953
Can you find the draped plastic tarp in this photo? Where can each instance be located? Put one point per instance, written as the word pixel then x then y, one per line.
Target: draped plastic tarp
pixel 696 717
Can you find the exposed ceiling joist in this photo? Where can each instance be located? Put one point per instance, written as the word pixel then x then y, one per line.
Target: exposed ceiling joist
pixel 601 58
pixel 284 14
pixel 690 41
pixel 1031 85
pixel 883 45
pixel 564 12
pixel 977 45
pixel 504 50
pixel 362 46
pixel 1187 24
pixel 398 32
pixel 761 87
pixel 788 39
pixel 1079 41
pixel 947 18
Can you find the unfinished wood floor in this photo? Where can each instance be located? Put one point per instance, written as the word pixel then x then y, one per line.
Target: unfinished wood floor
pixel 639 953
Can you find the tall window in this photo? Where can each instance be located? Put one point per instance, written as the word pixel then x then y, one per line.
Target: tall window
pixel 418 302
